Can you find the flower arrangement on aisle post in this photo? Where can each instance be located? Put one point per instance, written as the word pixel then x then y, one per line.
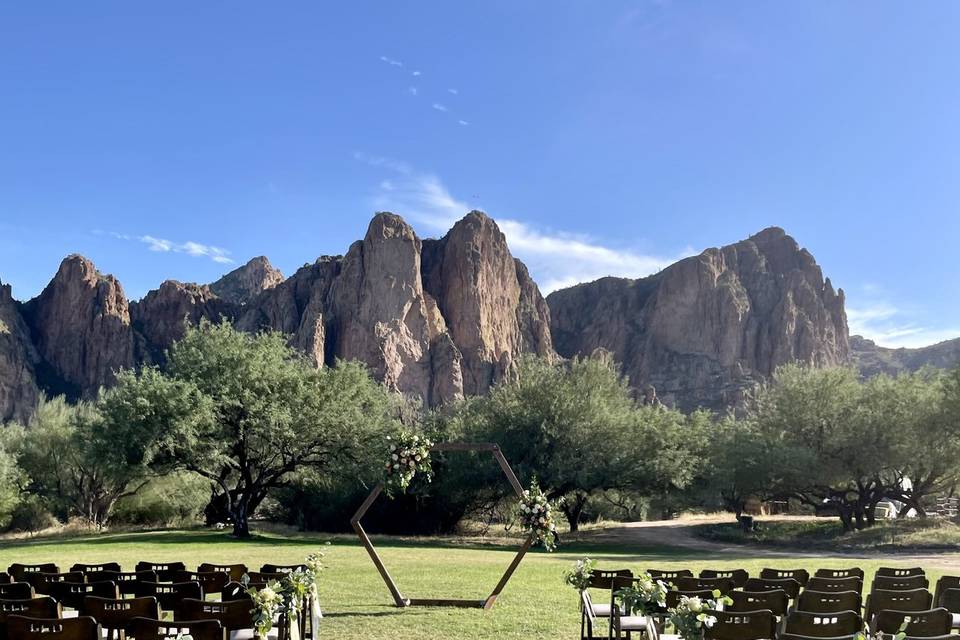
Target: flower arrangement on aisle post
pixel 644 596
pixel 267 603
pixel 692 616
pixel 409 456
pixel 579 576
pixel 290 595
pixel 536 516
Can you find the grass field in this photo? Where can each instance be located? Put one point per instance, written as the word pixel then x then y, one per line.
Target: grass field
pixel 357 604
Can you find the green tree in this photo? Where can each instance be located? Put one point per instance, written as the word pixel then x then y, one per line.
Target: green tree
pixel 272 415
pixel 12 477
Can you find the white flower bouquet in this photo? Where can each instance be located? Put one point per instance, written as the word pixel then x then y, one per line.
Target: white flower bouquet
pixel 579 576
pixel 692 616
pixel 535 514
pixel 409 456
pixel 644 596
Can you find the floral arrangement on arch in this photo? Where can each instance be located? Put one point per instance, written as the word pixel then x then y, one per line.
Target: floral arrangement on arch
pixel 535 514
pixel 692 616
pixel 644 596
pixel 580 574
pixel 409 456
pixel 289 595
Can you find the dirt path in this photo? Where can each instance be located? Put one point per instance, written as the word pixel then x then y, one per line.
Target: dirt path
pixel 680 534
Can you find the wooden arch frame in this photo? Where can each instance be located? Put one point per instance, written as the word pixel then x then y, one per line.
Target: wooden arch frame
pixel 398 598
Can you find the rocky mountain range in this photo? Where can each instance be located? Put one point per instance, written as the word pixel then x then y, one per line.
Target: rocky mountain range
pixel 440 319
pixel 871 359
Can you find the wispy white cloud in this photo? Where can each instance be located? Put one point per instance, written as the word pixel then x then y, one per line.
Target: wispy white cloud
pixel 413 91
pixel 462 123
pixel 416 74
pixel 439 107
pixel 452 91
pixel 555 258
pixel 391 61
pixel 162 245
pixel 871 314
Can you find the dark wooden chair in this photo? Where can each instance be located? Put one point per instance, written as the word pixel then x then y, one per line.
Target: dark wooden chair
pixel 738 577
pixel 235 571
pixel 80 628
pixel 669 576
pixel 259 576
pixel 72 594
pixel 748 625
pixel 852 572
pixel 599 581
pixel 944 583
pixel 43 607
pixel 950 600
pixel 288 568
pixel 5 578
pixel 800 575
pixel 935 622
pixel 894 583
pixel 723 585
pixel 673 596
pixel 103 566
pixel 775 601
pixel 164 570
pixel 823 625
pixel 900 572
pixel 126 581
pixel 210 581
pixel 169 595
pixel 238 591
pixel 16 591
pixel 17 571
pixel 234 616
pixel 916 600
pixel 788 585
pixel 151 629
pixel 828 602
pixel 43 583
pixel 115 615
pixel 835 585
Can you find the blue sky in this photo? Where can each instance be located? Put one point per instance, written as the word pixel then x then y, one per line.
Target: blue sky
pixel 178 139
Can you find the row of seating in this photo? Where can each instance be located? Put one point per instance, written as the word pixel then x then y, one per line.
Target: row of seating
pixel 156 600
pixel 829 602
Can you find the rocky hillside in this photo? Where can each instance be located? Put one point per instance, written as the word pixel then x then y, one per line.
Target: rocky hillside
pixel 872 359
pixel 435 319
pixel 707 328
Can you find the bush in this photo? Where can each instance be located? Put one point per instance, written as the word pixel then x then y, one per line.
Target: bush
pixel 31 515
pixel 174 500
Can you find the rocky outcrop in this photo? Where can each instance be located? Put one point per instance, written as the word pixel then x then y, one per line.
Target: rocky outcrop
pixel 18 387
pixel 80 325
pixel 493 316
pixel 871 359
pixel 162 316
pixel 706 329
pixel 242 285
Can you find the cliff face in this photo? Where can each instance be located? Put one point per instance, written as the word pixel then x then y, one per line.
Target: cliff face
pixel 707 328
pixel 18 387
pixel 242 285
pixel 871 359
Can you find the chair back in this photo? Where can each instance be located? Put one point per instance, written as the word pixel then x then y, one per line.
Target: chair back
pixel 669 576
pixel 210 581
pixel 169 595
pixel 152 629
pixel 17 571
pixel 83 567
pixel 894 583
pixel 749 625
pixel 16 591
pixel 72 594
pixel 233 615
pixel 950 600
pixel 5 578
pixel 916 600
pixel 673 597
pixel 944 583
pixel 723 585
pixel 289 568
pixel 738 577
pixel 852 572
pixel 79 628
pixel 835 585
pixel 43 583
pixel 237 591
pixel 235 571
pixel 116 614
pixel 788 585
pixel 935 622
pixel 823 625
pixel 126 581
pixel 42 607
pixel 259 576
pixel 828 602
pixel 899 572
pixel 775 601
pixel 164 570
pixel 800 575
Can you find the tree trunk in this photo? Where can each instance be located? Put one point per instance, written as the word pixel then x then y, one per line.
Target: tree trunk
pixel 573 509
pixel 241 527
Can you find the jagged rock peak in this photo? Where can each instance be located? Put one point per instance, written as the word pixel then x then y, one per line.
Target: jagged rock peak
pixel 81 326
pixel 18 388
pixel 245 283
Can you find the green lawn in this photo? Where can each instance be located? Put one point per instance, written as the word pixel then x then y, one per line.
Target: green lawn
pixel 357 604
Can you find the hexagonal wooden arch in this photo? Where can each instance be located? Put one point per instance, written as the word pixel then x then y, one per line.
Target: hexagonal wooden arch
pixel 444 602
